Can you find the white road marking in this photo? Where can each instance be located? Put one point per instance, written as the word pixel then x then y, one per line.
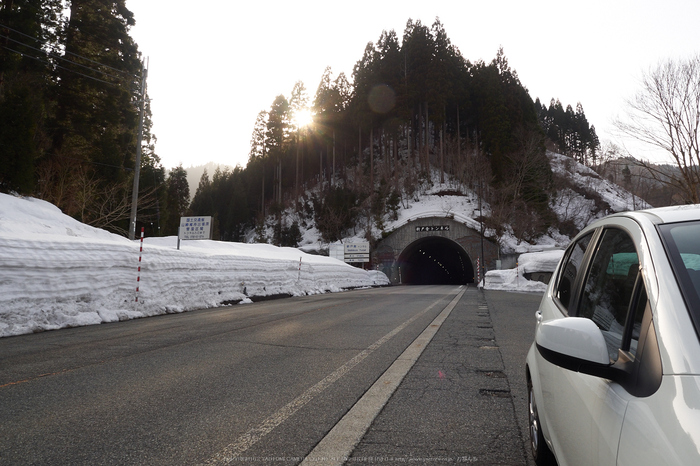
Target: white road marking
pixel 338 444
pixel 254 435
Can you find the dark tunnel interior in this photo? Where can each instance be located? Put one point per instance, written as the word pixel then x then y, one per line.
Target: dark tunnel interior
pixel 435 261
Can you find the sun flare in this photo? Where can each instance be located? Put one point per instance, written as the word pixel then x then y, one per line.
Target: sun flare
pixel 303 118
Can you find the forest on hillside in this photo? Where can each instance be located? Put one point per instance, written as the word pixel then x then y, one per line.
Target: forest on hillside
pixel 71 90
pixel 412 105
pixel 70 102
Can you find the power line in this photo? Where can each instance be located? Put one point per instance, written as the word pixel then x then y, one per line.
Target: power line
pixel 67 53
pixel 59 66
pixel 60 58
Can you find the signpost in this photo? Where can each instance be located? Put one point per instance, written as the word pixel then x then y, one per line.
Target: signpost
pixel 357 252
pixel 350 252
pixel 194 228
pixel 336 251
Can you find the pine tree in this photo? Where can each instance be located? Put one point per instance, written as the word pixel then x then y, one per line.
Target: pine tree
pixel 178 199
pixel 28 43
pixel 257 139
pixel 203 201
pixel 99 83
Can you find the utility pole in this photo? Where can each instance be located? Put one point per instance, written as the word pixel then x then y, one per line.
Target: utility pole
pixel 137 168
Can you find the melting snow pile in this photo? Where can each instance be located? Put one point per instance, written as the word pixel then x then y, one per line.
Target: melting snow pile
pixel 514 279
pixel 56 272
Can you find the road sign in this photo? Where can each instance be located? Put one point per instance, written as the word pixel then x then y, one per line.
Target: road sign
pixel 195 228
pixel 357 248
pixel 359 259
pixel 336 251
pixel 357 256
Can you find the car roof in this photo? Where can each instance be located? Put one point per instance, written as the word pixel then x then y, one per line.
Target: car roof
pixel 672 214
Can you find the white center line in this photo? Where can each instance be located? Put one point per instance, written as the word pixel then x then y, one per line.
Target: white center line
pixel 338 444
pixel 254 435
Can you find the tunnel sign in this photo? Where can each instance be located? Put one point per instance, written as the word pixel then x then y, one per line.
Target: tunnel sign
pixel 431 228
pixel 356 252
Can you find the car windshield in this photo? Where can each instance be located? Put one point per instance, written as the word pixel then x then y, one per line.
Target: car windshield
pixel 682 243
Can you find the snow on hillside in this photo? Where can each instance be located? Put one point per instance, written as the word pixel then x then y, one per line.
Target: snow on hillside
pixel 585 197
pixel 588 198
pixel 570 204
pixel 56 272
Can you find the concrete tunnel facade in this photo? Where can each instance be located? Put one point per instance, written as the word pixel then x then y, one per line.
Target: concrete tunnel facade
pixel 433 250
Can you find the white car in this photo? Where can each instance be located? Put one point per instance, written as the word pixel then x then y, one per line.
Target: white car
pixel 614 371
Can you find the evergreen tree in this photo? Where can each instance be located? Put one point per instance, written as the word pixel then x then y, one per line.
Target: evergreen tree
pixel 97 104
pixel 28 45
pixel 239 215
pixel 203 201
pixel 257 140
pixel 278 127
pixel 178 199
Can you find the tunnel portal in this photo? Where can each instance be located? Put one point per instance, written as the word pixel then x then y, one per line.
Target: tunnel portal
pixel 435 260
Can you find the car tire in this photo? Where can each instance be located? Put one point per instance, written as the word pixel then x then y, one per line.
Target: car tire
pixel 540 451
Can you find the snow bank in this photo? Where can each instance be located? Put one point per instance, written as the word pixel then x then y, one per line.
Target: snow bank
pixel 56 272
pixel 514 279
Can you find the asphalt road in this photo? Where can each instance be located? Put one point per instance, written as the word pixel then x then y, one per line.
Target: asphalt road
pixel 265 383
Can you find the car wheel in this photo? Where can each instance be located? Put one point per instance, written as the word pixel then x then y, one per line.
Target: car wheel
pixel 540 451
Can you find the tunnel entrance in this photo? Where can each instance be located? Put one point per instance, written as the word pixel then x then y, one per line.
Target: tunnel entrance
pixel 435 261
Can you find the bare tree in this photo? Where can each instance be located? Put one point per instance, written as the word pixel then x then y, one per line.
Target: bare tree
pixel 666 114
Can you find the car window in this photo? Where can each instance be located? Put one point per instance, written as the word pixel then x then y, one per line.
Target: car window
pixel 607 291
pixel 569 270
pixel 682 243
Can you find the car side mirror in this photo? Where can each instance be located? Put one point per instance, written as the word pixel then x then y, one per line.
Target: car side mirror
pixel 575 343
pixel 575 337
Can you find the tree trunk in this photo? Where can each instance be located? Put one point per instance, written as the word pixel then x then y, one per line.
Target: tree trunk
pixel 427 140
pixel 371 158
pixel 459 138
pixel 442 156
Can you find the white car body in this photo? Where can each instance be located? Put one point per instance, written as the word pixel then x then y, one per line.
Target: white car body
pixel 652 417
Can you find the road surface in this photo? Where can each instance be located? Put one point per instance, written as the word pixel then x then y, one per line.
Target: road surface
pixel 266 383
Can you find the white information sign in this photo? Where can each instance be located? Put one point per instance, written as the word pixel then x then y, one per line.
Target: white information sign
pixel 336 251
pixel 354 258
pixel 357 252
pixel 195 228
pixel 357 248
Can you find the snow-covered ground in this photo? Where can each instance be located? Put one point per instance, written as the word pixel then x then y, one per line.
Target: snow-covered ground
pixel 56 272
pixel 569 205
pixel 514 279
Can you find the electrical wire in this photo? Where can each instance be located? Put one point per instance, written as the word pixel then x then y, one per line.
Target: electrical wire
pixel 67 53
pixel 61 67
pixel 60 58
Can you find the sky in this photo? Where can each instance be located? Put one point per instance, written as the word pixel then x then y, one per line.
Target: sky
pixel 215 64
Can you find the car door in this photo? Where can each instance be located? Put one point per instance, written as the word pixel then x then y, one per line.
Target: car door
pixel 584 413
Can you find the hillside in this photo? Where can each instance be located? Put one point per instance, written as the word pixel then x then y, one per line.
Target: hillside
pixel 48 260
pixel 581 196
pixel 194 174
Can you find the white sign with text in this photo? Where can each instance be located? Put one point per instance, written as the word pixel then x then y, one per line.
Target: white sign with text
pixel 195 228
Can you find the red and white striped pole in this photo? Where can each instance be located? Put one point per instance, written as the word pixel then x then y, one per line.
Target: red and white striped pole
pixel 478 272
pixel 299 277
pixel 138 277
